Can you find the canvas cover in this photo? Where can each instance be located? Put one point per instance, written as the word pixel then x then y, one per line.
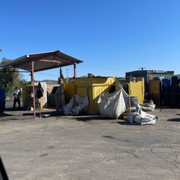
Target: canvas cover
pixel 112 105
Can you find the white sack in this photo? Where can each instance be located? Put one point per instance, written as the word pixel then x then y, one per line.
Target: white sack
pixel 76 105
pixel 112 105
pixel 141 118
pixel 149 106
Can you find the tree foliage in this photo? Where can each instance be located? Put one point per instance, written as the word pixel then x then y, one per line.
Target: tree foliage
pixel 9 78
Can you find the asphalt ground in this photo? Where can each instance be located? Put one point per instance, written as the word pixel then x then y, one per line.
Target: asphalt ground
pixel 89 147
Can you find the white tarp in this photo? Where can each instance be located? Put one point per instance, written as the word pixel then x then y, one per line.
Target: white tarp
pixel 112 105
pixel 76 105
pixel 141 117
pixel 149 106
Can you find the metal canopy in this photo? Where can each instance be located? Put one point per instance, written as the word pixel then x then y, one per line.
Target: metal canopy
pixel 43 61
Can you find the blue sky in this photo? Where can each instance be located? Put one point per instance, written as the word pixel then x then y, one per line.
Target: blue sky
pixel 110 36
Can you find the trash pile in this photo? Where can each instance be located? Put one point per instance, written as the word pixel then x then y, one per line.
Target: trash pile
pixel 141 117
pixel 149 106
pixel 115 104
pixel 76 105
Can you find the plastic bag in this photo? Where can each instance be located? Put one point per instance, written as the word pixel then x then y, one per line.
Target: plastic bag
pixel 76 105
pixel 142 118
pixel 112 105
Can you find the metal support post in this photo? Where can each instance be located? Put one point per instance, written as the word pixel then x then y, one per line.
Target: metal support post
pixel 33 89
pixel 74 70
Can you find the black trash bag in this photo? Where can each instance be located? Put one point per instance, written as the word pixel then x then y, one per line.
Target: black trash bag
pixel 39 91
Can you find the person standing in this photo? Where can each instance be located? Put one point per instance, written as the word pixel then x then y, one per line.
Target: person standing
pixel 39 94
pixel 16 94
pixel 60 96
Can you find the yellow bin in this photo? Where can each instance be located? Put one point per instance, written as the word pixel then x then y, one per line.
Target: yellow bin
pixel 154 87
pixel 27 95
pixel 155 91
pixel 91 87
pixel 136 88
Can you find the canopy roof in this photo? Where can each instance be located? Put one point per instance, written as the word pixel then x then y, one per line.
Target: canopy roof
pixel 43 61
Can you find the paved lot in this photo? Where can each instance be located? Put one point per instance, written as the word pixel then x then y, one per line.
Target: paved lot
pixel 89 147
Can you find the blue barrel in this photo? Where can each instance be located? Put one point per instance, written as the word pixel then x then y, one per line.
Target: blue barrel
pixel 178 93
pixel 165 92
pixel 2 95
pixel 175 92
pixel 2 100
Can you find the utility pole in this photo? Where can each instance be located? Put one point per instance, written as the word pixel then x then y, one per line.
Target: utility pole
pixel 142 68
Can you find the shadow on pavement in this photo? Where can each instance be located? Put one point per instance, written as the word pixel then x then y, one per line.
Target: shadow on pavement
pixel 124 122
pixel 108 137
pixel 43 114
pixel 174 120
pixel 14 109
pixel 90 118
pixel 5 114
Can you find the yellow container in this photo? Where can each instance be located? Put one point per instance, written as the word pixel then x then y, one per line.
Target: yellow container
pixel 91 87
pixel 27 95
pixel 136 88
pixel 155 91
pixel 69 91
pixel 154 87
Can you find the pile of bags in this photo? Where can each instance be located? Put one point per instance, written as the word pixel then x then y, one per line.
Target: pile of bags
pixel 115 104
pixel 141 117
pixel 149 106
pixel 76 105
